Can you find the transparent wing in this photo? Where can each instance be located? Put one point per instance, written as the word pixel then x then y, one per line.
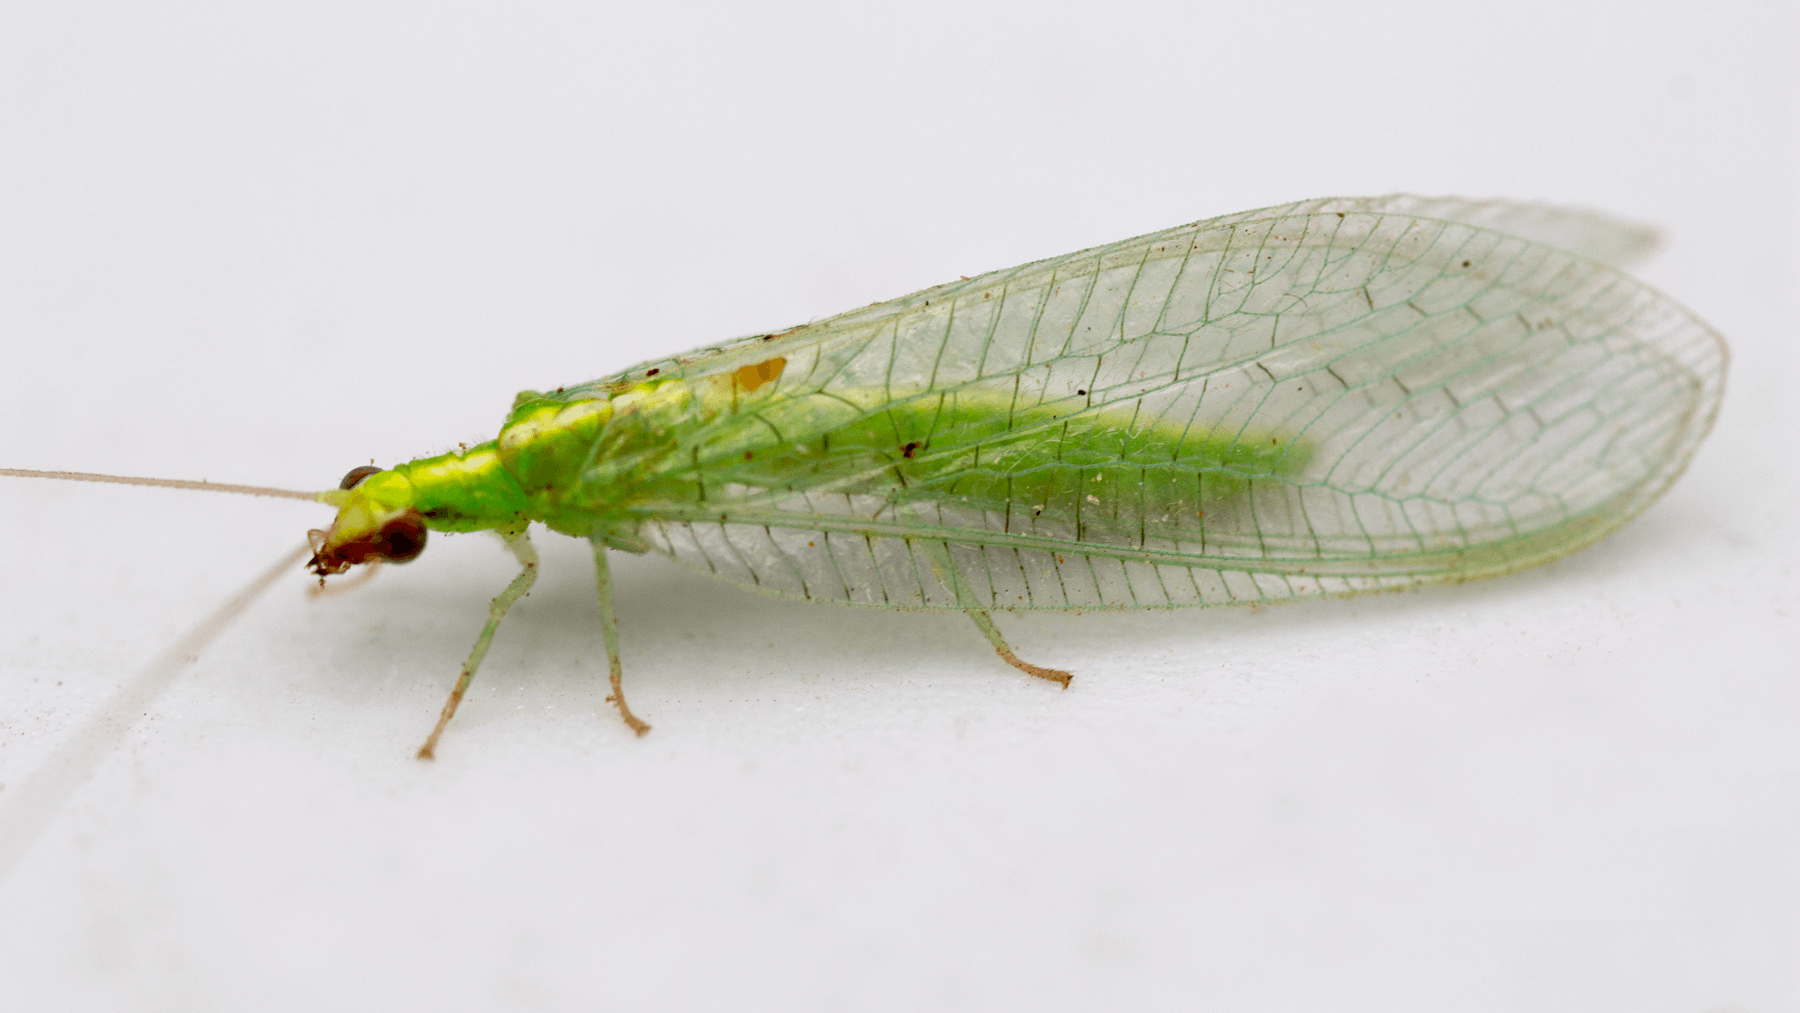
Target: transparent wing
pixel 1324 398
pixel 1585 233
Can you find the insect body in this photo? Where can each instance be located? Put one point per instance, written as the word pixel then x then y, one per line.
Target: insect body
pixel 1324 398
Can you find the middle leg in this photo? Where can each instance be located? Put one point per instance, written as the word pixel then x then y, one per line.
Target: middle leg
pixel 609 630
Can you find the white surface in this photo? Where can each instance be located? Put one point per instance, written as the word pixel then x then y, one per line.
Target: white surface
pixel 266 247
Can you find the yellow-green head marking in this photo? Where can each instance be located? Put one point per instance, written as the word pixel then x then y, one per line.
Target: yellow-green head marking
pixel 376 521
pixel 384 515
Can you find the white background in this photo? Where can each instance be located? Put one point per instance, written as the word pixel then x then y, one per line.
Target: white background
pixel 262 244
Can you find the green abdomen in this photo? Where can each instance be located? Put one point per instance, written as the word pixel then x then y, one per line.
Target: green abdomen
pixel 596 465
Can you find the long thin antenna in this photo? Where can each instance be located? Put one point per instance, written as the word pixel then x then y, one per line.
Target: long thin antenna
pixel 31 807
pixel 165 483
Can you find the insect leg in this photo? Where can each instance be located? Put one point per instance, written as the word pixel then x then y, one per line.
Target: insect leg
pixel 609 630
pixel 945 568
pixel 985 624
pixel 521 548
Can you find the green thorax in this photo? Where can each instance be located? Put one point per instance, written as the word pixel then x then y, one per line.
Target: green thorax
pixel 562 461
pixel 466 490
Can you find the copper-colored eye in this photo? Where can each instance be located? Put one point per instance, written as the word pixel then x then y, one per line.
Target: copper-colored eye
pixel 402 538
pixel 354 476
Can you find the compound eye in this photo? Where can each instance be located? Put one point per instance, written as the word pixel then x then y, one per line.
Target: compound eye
pixel 402 538
pixel 354 476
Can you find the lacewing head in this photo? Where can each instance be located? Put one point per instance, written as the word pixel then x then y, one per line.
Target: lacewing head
pixel 376 521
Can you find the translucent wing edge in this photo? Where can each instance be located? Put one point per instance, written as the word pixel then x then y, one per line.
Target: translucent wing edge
pixel 1585 233
pixel 906 564
pixel 760 550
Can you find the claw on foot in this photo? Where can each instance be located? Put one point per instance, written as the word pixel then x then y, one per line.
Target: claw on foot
pixel 617 699
pixel 1056 675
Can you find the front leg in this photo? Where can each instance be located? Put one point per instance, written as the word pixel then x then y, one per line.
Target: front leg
pixel 522 549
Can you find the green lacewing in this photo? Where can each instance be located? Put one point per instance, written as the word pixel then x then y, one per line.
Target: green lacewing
pixel 1324 398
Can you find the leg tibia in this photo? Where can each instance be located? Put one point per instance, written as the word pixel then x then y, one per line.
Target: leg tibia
pixel 528 562
pixel 609 630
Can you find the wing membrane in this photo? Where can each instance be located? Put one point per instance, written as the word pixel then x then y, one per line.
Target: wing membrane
pixel 1324 398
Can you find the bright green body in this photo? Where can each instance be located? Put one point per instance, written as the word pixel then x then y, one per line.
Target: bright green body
pixel 597 466
pixel 1332 397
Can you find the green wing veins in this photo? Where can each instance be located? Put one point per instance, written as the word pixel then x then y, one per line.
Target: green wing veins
pixel 1322 398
